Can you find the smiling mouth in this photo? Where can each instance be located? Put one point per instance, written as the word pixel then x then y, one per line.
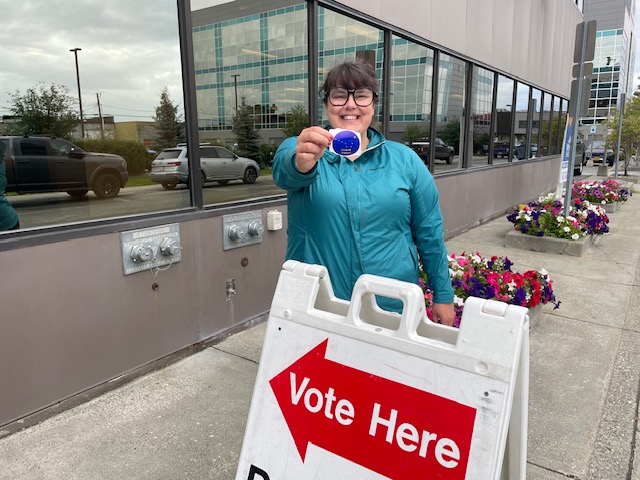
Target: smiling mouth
pixel 349 117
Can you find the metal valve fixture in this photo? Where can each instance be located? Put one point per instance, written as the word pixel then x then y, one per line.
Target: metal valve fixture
pixel 256 228
pixel 142 253
pixel 170 247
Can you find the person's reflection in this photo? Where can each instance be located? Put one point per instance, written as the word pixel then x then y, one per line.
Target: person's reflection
pixel 8 217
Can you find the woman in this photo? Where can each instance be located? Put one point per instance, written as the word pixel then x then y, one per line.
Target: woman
pixel 372 212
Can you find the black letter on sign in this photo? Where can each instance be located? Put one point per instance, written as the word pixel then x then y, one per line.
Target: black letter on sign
pixel 253 471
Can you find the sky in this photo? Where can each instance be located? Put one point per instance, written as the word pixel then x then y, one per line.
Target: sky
pixel 130 52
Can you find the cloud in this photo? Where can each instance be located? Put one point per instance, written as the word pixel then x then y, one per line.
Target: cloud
pixel 130 52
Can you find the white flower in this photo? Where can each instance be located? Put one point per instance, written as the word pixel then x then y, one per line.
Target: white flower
pixel 566 229
pixel 560 218
pixel 575 236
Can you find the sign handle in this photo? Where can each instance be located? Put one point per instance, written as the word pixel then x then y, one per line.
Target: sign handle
pixel 363 305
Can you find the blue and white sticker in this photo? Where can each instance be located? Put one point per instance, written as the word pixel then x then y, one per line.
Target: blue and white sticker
pixel 345 142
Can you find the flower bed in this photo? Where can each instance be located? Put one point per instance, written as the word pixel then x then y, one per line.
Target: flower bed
pixel 545 217
pixel 473 275
pixel 607 192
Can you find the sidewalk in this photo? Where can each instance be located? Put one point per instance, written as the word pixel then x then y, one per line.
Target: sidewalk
pixel 186 421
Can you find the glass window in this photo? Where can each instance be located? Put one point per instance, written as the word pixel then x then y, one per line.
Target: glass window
pixel 522 118
pixel 536 110
pixel 122 56
pixel 481 105
pixel 557 130
pixel 452 79
pixel 340 39
pixel 504 145
pixel 410 94
pixel 251 69
pixel 546 124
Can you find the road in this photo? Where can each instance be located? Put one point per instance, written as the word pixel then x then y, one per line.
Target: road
pixel 45 209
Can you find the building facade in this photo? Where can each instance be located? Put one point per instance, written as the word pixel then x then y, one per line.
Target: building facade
pixel 262 58
pixel 475 73
pixel 613 62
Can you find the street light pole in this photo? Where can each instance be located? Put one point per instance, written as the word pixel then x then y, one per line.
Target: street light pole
pixel 235 86
pixel 75 53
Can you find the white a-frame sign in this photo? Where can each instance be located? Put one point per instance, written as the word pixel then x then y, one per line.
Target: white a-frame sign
pixel 346 390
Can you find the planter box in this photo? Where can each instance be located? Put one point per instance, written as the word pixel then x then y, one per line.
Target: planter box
pixel 611 207
pixel 534 315
pixel 575 248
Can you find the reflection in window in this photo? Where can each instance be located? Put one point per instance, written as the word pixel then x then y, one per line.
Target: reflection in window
pixel 123 66
pixel 536 108
pixel 522 119
pixel 546 125
pixel 410 103
pixel 452 74
pixel 481 103
pixel 260 56
pixel 504 145
pixel 556 127
pixel 340 39
pixel 256 55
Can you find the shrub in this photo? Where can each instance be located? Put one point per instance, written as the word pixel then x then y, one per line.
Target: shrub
pixel 134 153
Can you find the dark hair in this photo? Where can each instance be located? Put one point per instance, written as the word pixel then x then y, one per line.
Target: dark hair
pixel 350 75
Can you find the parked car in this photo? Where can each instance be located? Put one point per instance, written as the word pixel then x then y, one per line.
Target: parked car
pixel 46 164
pixel 171 166
pixel 598 152
pixel 501 150
pixel 443 151
pixel 581 157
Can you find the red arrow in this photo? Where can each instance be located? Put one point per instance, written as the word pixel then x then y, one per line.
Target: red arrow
pixel 396 430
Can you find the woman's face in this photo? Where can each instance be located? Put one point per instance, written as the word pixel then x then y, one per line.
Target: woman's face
pixel 350 116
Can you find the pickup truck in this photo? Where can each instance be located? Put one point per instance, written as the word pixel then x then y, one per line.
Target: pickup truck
pixel 38 164
pixel 443 151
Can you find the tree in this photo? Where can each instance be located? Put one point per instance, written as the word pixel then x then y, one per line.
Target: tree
pixel 169 122
pixel 450 133
pixel 414 132
pixel 247 137
pixel 297 120
pixel 630 132
pixel 44 110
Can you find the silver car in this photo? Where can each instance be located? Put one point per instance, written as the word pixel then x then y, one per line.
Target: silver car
pixel 217 164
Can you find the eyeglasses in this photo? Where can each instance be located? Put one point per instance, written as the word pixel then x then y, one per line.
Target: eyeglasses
pixel 362 96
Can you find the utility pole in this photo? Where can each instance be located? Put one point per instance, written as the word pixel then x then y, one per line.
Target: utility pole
pixel 235 85
pixel 101 117
pixel 75 53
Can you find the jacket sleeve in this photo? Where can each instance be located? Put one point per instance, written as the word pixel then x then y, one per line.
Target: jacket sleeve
pixel 285 173
pixel 428 232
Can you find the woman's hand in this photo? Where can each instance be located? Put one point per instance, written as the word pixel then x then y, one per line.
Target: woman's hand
pixel 443 313
pixel 312 143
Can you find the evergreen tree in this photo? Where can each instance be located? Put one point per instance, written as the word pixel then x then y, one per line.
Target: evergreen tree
pixel 247 137
pixel 169 122
pixel 44 110
pixel 297 120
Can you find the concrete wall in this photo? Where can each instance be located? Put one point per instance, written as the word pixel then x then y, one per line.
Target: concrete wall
pixel 531 40
pixel 71 320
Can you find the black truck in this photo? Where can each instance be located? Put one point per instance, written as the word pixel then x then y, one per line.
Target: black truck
pixel 37 164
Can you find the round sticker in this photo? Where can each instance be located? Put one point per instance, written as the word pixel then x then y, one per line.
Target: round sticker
pixel 346 142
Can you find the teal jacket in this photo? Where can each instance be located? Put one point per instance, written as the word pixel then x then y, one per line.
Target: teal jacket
pixel 372 215
pixel 8 216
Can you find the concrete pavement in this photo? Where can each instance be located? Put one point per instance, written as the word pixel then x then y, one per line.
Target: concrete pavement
pixel 186 421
